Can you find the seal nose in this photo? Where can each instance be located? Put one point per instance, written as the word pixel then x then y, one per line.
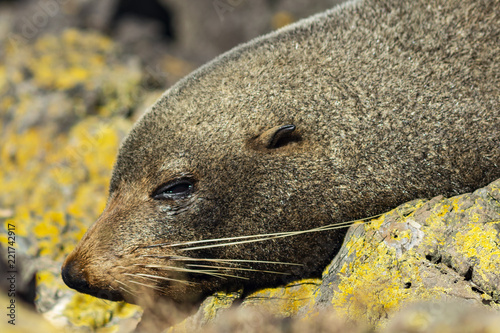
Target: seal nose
pixel 72 274
pixel 73 277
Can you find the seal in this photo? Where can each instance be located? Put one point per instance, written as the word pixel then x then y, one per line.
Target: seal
pixel 341 116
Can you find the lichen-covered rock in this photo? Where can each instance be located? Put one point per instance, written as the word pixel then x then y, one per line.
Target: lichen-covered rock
pixel 432 317
pixel 64 102
pixel 425 317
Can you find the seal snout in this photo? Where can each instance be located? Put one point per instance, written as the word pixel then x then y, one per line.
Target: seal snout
pixel 72 275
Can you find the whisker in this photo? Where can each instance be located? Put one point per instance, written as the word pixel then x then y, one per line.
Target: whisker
pixel 126 288
pixel 238 269
pixel 195 271
pixel 223 275
pixel 239 260
pixel 147 285
pixel 280 235
pixel 153 277
pixel 166 268
pixel 283 233
pixel 180 258
pixel 266 237
pixel 262 236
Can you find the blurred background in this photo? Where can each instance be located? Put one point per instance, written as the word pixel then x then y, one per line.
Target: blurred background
pixel 74 76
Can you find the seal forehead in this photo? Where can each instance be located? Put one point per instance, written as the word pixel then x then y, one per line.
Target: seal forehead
pixel 147 151
pixel 171 140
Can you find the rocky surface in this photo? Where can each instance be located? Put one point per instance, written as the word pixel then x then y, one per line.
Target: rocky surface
pixel 170 37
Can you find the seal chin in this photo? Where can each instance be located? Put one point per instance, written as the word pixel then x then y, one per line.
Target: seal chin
pixel 75 279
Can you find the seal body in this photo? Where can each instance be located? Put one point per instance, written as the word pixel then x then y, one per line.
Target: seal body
pixel 341 116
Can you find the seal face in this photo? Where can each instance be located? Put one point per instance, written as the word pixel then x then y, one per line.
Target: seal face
pixel 336 118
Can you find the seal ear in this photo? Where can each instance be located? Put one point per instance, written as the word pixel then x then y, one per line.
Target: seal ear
pixel 276 137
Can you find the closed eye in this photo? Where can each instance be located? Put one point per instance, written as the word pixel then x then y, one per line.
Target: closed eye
pixel 178 189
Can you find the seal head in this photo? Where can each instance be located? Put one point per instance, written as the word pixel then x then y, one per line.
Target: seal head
pixel 339 117
pixel 165 197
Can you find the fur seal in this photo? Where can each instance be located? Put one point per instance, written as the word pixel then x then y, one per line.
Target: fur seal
pixel 341 116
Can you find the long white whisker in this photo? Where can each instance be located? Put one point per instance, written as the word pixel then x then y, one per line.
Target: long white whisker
pixel 178 269
pixel 180 258
pixel 126 288
pixel 127 291
pixel 147 285
pixel 237 269
pixel 268 236
pixel 152 277
pixel 239 260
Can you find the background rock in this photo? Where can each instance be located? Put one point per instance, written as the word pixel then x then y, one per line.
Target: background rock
pixel 171 37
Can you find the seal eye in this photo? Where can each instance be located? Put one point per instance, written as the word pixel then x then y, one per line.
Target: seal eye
pixel 177 190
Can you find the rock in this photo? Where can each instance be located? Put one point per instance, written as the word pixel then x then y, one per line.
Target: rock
pixel 158 30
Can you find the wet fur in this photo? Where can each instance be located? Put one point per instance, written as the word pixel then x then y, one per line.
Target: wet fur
pixel 391 101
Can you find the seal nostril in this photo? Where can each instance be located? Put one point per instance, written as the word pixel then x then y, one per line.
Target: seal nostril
pixel 73 277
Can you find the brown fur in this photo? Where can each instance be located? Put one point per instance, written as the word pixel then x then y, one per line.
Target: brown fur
pixel 391 101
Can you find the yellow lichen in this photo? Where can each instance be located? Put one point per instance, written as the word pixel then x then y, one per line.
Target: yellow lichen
pixel 281 19
pixel 37 181
pixel 72 59
pixel 480 242
pixel 85 61
pixel 45 277
pixel 435 223
pixel 88 311
pixel 285 301
pixel 375 284
pixel 218 301
pixel 56 160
